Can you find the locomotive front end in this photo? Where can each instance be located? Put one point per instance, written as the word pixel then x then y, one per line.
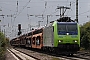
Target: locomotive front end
pixel 66 37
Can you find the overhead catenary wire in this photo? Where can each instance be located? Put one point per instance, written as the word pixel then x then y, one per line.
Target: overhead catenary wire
pixel 23 7
pixel 9 8
pixel 84 12
pixel 71 2
pixel 56 1
pixel 45 7
pixel 18 13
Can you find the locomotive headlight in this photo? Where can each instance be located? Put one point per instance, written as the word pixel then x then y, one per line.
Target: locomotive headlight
pixel 60 41
pixel 75 41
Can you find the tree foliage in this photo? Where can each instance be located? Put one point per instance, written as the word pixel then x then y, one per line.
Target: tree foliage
pixel 2 40
pixel 85 35
pixel 2 45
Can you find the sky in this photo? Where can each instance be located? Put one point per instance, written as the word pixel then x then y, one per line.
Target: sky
pixel 20 14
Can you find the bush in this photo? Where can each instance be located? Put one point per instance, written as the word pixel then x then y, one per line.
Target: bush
pixel 85 36
pixel 2 46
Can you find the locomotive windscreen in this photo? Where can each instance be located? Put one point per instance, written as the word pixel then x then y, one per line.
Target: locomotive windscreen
pixel 64 28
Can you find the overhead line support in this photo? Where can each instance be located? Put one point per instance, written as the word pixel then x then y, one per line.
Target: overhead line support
pixel 77 11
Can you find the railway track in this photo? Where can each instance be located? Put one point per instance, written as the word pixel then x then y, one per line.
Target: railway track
pixel 84 55
pixel 50 56
pixel 74 58
pixel 20 55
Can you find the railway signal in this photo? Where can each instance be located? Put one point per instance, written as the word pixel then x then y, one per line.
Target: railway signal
pixel 19 28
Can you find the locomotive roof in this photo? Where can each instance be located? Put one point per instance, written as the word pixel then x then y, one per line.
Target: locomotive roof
pixel 65 19
pixel 67 22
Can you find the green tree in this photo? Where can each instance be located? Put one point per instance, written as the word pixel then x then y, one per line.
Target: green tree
pixel 85 35
pixel 2 46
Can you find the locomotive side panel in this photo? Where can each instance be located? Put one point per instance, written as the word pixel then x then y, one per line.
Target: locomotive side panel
pixel 48 36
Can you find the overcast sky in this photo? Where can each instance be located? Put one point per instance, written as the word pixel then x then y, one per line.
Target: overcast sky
pixel 39 7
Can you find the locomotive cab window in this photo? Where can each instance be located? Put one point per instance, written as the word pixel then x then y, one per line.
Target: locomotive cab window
pixel 72 27
pixel 63 28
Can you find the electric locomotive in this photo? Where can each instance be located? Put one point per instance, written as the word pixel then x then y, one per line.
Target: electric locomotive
pixel 62 36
